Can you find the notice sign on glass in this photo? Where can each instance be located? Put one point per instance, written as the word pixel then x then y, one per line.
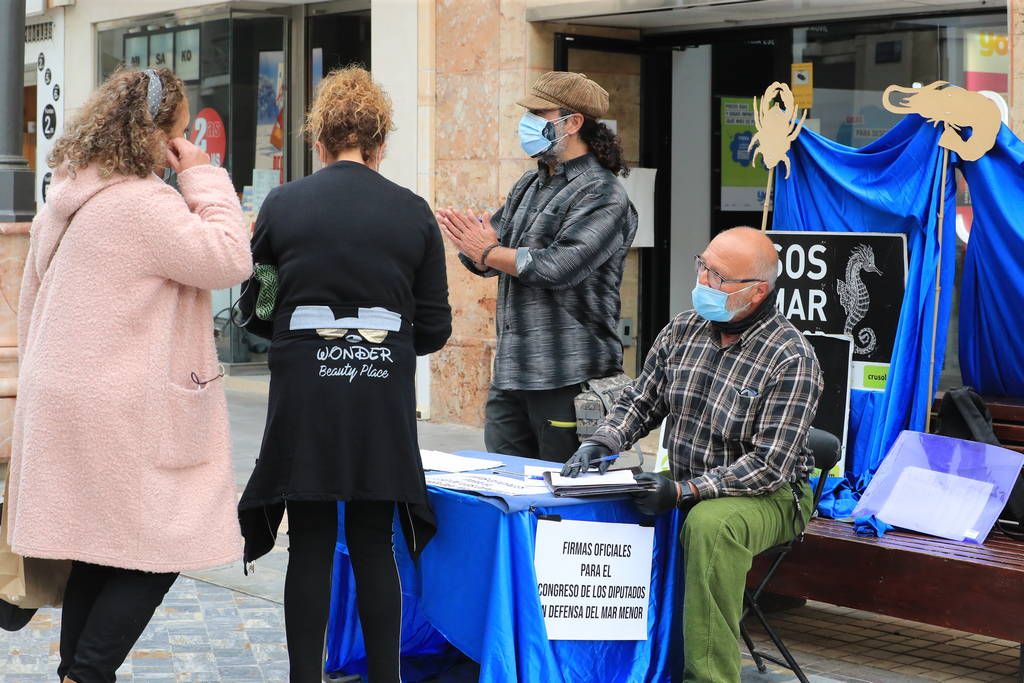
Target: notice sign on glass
pixel 594 579
pixel 848 283
pixel 743 181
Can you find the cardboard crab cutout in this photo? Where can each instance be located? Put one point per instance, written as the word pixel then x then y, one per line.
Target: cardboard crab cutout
pixel 776 118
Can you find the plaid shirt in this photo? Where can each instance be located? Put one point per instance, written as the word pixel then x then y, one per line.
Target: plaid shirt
pixel 557 321
pixel 738 416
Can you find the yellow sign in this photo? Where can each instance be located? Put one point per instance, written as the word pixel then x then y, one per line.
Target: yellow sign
pixel 802 83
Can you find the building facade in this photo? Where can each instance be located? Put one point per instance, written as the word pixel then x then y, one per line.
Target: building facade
pixel 454 69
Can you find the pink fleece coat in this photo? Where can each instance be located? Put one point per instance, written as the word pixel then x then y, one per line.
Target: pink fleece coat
pixel 118 457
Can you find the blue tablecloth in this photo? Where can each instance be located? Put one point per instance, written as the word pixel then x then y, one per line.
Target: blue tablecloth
pixel 475 589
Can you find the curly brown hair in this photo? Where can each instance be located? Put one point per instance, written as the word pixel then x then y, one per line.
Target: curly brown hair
pixel 114 128
pixel 350 111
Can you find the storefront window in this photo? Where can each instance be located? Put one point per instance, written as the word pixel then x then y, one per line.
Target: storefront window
pixel 235 70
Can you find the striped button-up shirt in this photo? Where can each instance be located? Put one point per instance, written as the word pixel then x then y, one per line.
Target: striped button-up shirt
pixel 557 320
pixel 738 415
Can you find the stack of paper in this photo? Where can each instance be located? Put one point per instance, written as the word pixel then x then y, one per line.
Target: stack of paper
pixel 594 483
pixel 447 462
pixel 487 483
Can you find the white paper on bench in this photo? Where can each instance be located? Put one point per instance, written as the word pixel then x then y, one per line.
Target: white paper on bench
pixel 936 503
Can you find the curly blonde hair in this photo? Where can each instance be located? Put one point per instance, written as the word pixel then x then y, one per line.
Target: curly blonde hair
pixel 114 128
pixel 350 111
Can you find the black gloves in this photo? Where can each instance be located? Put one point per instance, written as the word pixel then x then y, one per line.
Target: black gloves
pixel 664 496
pixel 584 455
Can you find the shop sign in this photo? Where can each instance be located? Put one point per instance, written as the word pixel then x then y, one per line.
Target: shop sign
pixel 208 134
pixel 986 61
pixel 845 283
pixel 186 49
pixel 161 50
pixel 136 51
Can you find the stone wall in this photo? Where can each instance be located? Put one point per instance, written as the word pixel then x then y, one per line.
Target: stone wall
pixel 485 55
pixel 13 250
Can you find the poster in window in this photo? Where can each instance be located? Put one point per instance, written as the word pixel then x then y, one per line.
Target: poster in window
pixel 161 50
pixel 270 102
pixel 743 183
pixel 136 51
pixel 987 60
pixel 186 49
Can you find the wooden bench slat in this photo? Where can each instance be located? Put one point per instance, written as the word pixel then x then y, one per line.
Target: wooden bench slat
pixel 997 550
pixel 1008 434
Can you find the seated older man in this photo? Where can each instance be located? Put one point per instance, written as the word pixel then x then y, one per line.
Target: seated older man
pixel 739 386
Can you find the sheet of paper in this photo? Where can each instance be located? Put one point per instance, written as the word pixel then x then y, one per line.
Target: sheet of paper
pixel 439 461
pixel 617 477
pixel 537 471
pixel 502 485
pixel 936 503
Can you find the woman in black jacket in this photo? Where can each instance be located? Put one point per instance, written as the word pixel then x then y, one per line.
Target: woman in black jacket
pixel 362 290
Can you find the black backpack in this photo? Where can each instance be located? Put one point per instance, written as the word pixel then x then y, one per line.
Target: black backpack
pixel 964 415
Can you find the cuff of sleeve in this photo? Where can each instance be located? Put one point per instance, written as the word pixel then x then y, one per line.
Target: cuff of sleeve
pixel 523 259
pixel 607 438
pixel 705 487
pixel 193 178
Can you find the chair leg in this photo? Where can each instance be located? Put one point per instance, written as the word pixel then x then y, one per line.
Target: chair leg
pixel 779 645
pixel 758 660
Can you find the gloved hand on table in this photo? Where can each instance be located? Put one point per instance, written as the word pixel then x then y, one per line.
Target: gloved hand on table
pixel 664 494
pixel 587 453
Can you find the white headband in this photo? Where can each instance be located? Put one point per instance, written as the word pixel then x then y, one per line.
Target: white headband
pixel 155 93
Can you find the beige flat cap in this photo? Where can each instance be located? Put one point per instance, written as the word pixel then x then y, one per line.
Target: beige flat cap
pixel 565 89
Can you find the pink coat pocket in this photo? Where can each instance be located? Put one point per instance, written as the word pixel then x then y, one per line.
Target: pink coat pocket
pixel 192 437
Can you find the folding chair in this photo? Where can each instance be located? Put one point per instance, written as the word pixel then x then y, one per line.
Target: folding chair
pixel 825 447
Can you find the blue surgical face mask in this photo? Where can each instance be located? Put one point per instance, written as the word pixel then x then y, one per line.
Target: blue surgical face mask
pixel 711 304
pixel 537 134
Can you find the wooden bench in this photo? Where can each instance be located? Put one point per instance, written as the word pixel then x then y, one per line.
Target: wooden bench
pixel 979 589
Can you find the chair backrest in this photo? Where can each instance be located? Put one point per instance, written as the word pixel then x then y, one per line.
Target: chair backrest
pixel 825 448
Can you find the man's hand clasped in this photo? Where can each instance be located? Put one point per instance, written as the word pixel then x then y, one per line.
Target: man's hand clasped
pixel 471 234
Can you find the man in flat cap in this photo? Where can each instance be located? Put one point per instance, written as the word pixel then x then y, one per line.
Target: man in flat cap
pixel 557 247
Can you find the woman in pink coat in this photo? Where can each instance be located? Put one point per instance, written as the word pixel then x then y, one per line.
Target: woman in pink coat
pixel 121 449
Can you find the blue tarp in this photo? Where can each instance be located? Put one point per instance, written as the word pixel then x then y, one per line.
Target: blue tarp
pixel 891 185
pixel 475 587
pixel 992 288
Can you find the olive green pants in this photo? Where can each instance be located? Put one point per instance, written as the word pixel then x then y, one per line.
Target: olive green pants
pixel 720 538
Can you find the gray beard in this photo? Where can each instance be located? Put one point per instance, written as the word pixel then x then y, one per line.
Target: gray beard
pixel 553 156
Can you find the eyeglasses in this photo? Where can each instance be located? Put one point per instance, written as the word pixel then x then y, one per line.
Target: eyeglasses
pixel 716 279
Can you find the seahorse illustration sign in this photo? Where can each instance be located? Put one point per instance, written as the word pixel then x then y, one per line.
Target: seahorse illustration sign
pixel 855 300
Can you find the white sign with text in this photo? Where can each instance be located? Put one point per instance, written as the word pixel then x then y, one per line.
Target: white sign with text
pixel 594 579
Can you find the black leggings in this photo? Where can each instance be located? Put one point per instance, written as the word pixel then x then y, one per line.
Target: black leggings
pixel 312 533
pixel 105 611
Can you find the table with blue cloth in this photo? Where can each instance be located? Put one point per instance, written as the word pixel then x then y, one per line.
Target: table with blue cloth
pixel 474 591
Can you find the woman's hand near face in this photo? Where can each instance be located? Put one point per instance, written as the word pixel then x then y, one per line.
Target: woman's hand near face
pixel 183 155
